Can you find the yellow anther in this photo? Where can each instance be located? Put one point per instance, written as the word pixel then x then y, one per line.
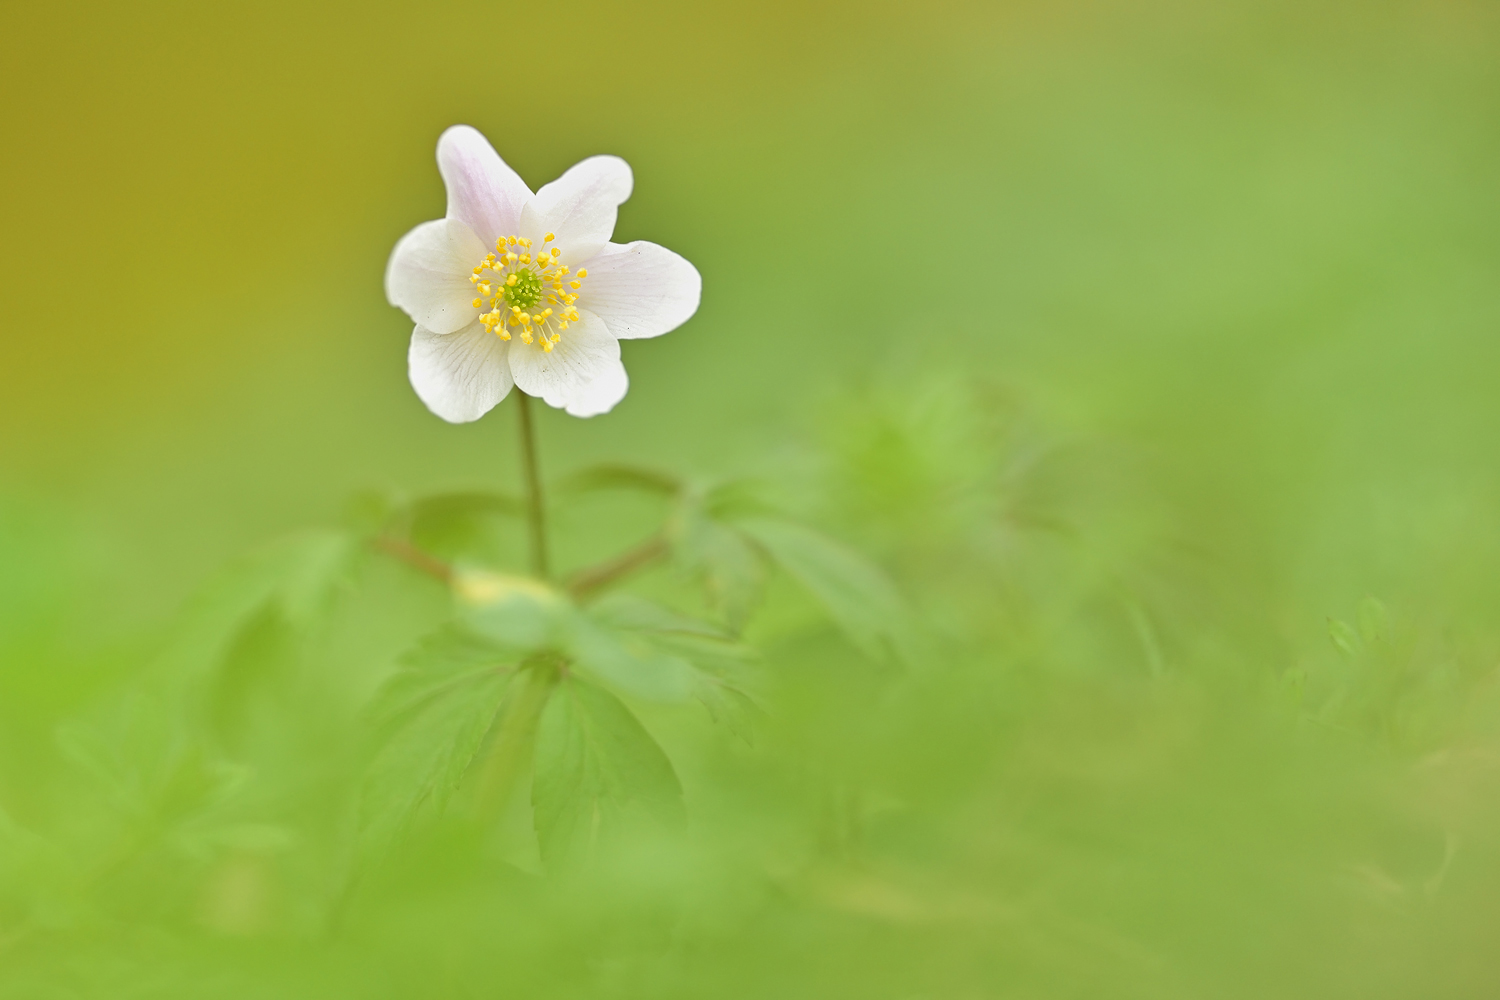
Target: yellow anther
pixel 555 251
pixel 546 312
pixel 525 319
pixel 478 303
pixel 526 258
pixel 512 241
pixel 583 272
pixel 549 239
pixel 511 281
pixel 575 284
pixel 515 310
pixel 478 269
pixel 547 346
pixel 556 337
pixel 562 325
pixel 489 257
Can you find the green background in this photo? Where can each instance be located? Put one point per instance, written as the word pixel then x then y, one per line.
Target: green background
pixel 1236 263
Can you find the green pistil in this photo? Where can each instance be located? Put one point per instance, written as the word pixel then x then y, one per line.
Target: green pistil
pixel 526 292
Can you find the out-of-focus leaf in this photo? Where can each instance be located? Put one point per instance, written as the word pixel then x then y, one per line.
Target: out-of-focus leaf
pixel 615 476
pixel 728 705
pixel 296 578
pixel 1374 620
pixel 368 512
pixel 532 618
pixel 856 593
pixel 144 756
pixel 627 662
pixel 1344 638
pixel 313 568
pixel 731 571
pixel 447 656
pixel 516 612
pixel 433 715
pixel 627 611
pixel 34 872
pixel 455 525
pixel 597 772
pixel 739 498
pixel 445 506
pixel 720 664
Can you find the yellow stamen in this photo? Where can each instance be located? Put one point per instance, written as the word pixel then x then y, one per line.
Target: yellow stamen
pixel 510 292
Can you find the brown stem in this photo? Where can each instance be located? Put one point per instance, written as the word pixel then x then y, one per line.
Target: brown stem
pixel 535 513
pixel 586 581
pixel 414 557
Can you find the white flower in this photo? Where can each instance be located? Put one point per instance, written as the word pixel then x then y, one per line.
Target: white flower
pixel 526 289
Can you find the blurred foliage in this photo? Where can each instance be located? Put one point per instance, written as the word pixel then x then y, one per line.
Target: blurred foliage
pixel 1056 769
pixel 1120 622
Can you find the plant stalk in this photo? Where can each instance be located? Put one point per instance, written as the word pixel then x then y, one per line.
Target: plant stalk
pixel 514 736
pixel 535 513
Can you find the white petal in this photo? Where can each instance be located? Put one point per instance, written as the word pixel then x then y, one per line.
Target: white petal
pixel 585 352
pixel 600 395
pixel 483 192
pixel 641 289
pixel 428 274
pixel 460 376
pixel 579 207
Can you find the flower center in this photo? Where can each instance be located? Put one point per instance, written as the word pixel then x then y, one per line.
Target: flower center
pixel 518 288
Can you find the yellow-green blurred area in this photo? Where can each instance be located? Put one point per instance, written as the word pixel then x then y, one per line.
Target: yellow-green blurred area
pixel 1152 348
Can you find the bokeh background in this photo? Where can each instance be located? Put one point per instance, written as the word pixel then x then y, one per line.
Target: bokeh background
pixel 1150 345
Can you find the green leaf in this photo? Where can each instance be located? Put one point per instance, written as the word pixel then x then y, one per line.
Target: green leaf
pixel 721 665
pixel 627 662
pixel 296 579
pixel 598 773
pixel 144 754
pixel 33 870
pixel 732 573
pixel 617 476
pixel 459 524
pixel 532 618
pixel 1374 620
pixel 627 611
pixel 446 657
pixel 433 714
pixel 513 611
pixel 312 568
pixel 1344 638
pixel 856 593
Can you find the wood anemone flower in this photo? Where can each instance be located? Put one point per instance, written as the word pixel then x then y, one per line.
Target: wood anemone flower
pixel 516 288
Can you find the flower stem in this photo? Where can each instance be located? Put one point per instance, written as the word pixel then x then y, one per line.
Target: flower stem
pixel 535 515
pixel 586 582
